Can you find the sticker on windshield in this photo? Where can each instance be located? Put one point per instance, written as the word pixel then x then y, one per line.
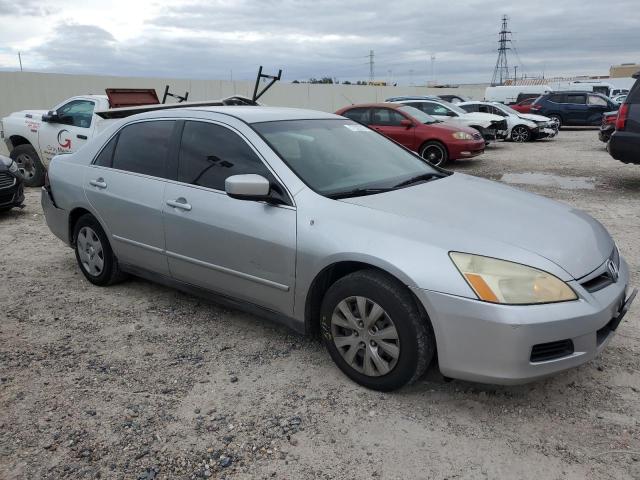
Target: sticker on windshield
pixel 357 128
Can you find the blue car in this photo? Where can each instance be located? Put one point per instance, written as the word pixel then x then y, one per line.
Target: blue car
pixel 573 107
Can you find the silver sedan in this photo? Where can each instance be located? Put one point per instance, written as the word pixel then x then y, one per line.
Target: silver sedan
pixel 316 221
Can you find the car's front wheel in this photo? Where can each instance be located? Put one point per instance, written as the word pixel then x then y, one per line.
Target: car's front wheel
pixel 375 332
pixel 93 252
pixel 520 134
pixel 435 153
pixel 556 120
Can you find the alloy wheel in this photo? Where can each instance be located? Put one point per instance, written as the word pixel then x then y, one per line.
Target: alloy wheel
pixel 365 336
pixel 433 154
pixel 90 251
pixel 26 166
pixel 520 134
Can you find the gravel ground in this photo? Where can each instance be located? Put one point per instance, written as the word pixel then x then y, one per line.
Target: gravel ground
pixel 138 381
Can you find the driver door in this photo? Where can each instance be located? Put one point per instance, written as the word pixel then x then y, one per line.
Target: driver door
pixel 73 127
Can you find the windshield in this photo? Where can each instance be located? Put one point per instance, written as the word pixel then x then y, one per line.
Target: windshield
pixel 419 115
pixel 453 107
pixel 507 109
pixel 335 157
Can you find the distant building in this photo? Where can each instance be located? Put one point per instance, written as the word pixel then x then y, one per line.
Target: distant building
pixel 624 70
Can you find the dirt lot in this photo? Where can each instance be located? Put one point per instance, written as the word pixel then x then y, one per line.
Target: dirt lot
pixel 139 381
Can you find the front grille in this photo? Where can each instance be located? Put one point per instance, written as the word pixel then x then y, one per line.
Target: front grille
pixel 604 279
pixel 7 180
pixel 6 198
pixel 551 351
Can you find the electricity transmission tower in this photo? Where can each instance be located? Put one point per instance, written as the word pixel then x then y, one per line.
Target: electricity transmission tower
pixel 371 73
pixel 501 72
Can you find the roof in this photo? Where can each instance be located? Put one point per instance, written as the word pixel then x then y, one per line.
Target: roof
pixel 256 114
pixel 370 105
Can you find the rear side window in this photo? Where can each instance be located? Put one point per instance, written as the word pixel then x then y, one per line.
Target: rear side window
pixel 558 98
pixel 105 157
pixel 210 153
pixel 360 115
pixel 143 148
pixel 576 99
pixel 472 107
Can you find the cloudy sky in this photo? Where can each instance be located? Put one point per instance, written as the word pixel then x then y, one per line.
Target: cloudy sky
pixel 222 39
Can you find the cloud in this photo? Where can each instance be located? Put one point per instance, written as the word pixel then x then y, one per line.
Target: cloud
pixel 31 8
pixel 209 39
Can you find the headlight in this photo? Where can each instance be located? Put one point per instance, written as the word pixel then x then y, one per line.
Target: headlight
pixel 499 281
pixel 462 136
pixel 13 167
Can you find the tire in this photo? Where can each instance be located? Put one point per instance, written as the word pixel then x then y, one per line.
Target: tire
pixel 557 119
pixel 435 153
pixel 520 134
pixel 94 254
pixel 29 164
pixel 407 331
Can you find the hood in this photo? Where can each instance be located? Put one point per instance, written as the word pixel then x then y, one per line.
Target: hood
pixel 449 127
pixel 476 210
pixel 35 114
pixel 533 117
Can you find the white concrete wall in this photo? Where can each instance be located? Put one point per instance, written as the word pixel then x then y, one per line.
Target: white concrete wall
pixel 26 90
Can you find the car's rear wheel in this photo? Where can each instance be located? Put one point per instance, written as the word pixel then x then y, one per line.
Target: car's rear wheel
pixel 93 252
pixel 375 332
pixel 435 153
pixel 29 165
pixel 520 134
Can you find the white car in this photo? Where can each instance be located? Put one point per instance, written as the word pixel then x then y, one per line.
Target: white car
pixel 491 127
pixel 522 127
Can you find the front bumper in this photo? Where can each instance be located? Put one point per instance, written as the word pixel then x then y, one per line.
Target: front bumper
pixel 489 343
pixel 546 132
pixel 465 149
pixel 11 190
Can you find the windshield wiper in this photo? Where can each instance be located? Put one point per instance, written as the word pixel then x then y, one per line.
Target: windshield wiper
pixel 425 177
pixel 358 192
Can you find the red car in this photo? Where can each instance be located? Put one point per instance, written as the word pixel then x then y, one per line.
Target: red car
pixel 435 141
pixel 524 106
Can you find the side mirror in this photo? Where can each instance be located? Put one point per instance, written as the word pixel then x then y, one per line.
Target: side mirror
pixel 50 117
pixel 248 187
pixel 405 122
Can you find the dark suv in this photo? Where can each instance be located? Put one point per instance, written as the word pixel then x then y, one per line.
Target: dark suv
pixel 573 108
pixel 625 141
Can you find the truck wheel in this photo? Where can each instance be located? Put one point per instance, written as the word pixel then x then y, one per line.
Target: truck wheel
pixel 29 165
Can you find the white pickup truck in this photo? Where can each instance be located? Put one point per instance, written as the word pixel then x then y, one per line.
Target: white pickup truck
pixel 34 137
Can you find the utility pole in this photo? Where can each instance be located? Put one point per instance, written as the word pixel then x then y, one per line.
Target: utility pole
pixel 20 60
pixel 501 71
pixel 515 73
pixel 433 68
pixel 371 73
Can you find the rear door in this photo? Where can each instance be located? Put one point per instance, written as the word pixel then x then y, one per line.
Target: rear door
pixel 388 122
pixel 240 248
pixel 74 127
pixel 577 112
pixel 125 186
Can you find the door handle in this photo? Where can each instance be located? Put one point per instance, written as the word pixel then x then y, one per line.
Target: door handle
pixel 100 183
pixel 81 137
pixel 180 203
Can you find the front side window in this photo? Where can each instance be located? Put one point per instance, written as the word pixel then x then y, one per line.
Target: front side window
pixel 77 113
pixel 386 117
pixel 337 156
pixel 144 147
pixel 210 153
pixel 596 100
